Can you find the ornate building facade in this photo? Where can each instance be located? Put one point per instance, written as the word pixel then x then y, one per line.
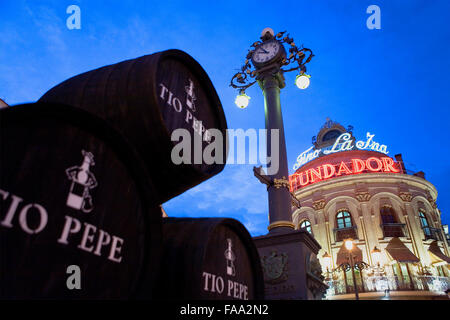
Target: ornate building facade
pixel 351 189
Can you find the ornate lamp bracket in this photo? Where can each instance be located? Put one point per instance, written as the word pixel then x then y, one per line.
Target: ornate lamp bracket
pixel 245 76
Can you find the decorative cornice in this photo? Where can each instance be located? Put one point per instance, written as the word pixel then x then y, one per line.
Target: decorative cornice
pixel 319 204
pixel 363 196
pixel 405 196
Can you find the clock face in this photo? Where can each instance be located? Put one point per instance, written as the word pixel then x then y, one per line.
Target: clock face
pixel 266 52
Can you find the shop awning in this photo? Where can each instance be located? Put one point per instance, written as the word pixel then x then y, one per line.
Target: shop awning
pixel 399 252
pixel 343 257
pixel 436 254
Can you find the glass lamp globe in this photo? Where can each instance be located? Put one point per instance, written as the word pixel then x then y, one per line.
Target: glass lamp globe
pixel 242 100
pixel 302 81
pixel 349 244
pixel 376 255
pixel 326 260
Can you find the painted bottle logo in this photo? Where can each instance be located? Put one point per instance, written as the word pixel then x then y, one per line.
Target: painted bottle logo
pixel 190 97
pixel 230 257
pixel 82 181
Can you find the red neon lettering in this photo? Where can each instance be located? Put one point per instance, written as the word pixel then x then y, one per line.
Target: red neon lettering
pixel 292 182
pixel 316 175
pixel 343 167
pixel 358 165
pixel 389 165
pixel 328 171
pixel 386 164
pixel 369 166
pixel 304 183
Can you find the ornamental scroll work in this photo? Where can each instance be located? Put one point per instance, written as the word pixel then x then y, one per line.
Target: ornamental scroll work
pixel 275 267
pixel 281 183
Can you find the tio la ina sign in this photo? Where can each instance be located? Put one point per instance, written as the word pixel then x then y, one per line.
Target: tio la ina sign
pixel 342 143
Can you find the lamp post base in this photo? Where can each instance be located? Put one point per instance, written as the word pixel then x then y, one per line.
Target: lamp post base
pixel 288 261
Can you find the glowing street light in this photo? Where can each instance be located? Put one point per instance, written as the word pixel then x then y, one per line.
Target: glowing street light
pixel 242 100
pixel 349 244
pixel 376 255
pixel 327 262
pixel 302 81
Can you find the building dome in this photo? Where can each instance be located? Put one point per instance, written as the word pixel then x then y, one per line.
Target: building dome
pixel 351 189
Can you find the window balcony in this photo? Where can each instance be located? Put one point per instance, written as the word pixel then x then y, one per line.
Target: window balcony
pixel 340 234
pixel 432 233
pixel 393 229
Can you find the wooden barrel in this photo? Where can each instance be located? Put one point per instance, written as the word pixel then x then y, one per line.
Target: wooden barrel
pixel 77 217
pixel 209 259
pixel 146 99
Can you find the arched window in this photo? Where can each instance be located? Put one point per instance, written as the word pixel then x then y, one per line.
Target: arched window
pixel 344 226
pixel 389 223
pixel 306 225
pixel 344 219
pixel 387 215
pixel 425 225
pixel 423 219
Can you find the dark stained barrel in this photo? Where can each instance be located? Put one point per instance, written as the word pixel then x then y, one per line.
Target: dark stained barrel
pixel 73 194
pixel 209 259
pixel 146 99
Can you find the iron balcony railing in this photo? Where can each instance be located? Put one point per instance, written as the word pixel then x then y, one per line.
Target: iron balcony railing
pixel 340 234
pixel 393 229
pixel 432 233
pixel 391 283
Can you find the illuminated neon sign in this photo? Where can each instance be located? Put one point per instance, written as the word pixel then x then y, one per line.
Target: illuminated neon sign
pixel 355 166
pixel 342 143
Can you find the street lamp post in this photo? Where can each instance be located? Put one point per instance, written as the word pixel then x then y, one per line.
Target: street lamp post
pixel 360 265
pixel 376 256
pixel 267 57
pixel 349 247
pixel 327 262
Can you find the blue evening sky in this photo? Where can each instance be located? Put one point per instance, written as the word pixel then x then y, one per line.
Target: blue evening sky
pixel 392 82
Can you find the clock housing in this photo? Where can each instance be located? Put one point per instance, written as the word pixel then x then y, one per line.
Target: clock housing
pixel 268 52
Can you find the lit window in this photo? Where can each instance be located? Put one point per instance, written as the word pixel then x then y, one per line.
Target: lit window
pixel 424 224
pixel 345 228
pixel 306 225
pixel 344 219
